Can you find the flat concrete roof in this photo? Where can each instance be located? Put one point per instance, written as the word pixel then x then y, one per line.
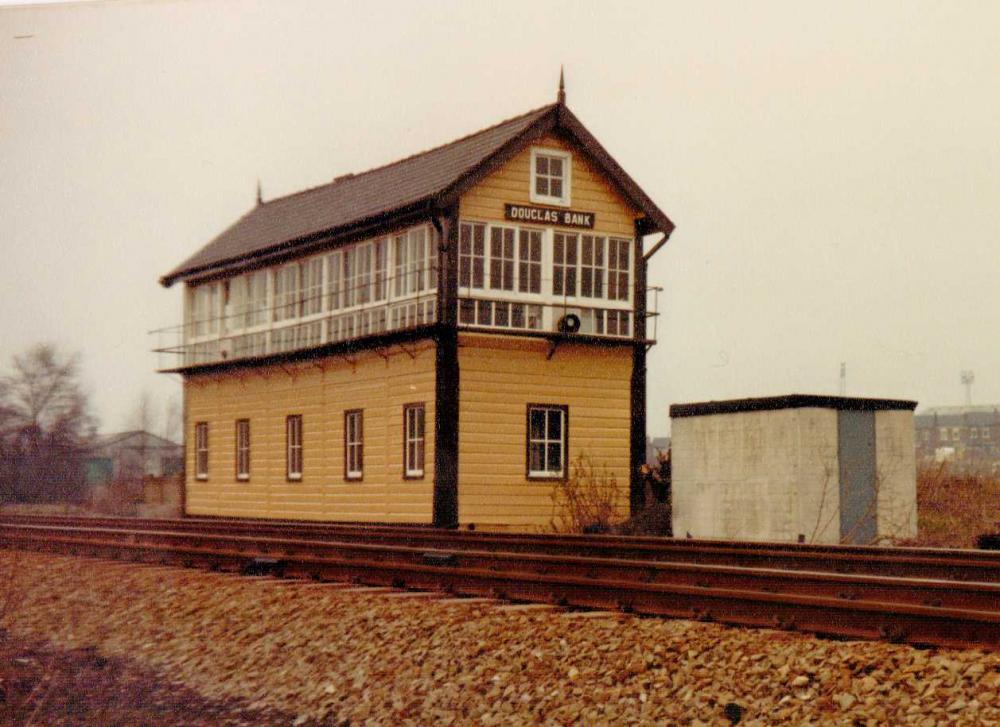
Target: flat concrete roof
pixel 789 401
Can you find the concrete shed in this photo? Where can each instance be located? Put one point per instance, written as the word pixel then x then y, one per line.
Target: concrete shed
pixel 821 468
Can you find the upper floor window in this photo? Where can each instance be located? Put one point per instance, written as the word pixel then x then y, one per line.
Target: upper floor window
pixel 502 258
pixel 943 434
pixel 564 260
pixel 955 434
pixel 618 269
pixel 986 432
pixel 550 176
pixel 415 269
pixel 530 262
pixel 312 286
pixel 287 292
pixel 471 254
pixel 205 309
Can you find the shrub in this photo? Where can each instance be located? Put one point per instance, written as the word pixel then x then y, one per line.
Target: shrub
pixel 588 501
pixel 955 507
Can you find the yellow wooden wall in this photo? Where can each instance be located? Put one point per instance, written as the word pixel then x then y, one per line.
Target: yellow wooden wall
pixel 590 192
pixel 500 376
pixel 319 390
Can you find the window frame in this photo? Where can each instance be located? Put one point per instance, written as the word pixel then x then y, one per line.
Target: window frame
pixel 567 179
pixel 242 476
pixel 290 475
pixel 546 476
pixel 200 437
pixel 418 472
pixel 359 474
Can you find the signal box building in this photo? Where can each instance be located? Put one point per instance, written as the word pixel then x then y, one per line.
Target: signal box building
pixel 432 341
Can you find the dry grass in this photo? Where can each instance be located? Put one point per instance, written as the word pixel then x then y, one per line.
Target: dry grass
pixel 954 508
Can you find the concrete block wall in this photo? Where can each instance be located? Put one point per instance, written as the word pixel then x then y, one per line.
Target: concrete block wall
pixel 770 470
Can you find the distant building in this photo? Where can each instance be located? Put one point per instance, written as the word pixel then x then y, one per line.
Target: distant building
pixel 655 446
pixel 132 455
pixel 968 436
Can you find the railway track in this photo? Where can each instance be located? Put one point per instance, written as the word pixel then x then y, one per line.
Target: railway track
pixel 930 563
pixel 943 598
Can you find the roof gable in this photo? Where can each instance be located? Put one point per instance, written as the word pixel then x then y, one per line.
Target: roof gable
pixel 424 182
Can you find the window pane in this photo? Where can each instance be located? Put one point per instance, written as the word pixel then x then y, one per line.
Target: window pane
pixel 555 166
pixel 553 461
pixel 555 187
pixel 502 314
pixel 467 311
pixel 555 424
pixel 536 457
pixel 537 417
pixel 542 164
pixel 484 313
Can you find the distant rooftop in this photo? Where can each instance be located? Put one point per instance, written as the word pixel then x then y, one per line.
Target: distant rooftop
pixel 979 415
pixel 959 410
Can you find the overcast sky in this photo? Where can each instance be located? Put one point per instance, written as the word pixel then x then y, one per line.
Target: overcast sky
pixel 833 168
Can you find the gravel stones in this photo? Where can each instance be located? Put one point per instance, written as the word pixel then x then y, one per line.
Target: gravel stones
pixel 330 655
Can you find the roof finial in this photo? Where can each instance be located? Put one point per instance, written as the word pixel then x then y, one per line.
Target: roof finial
pixel 561 98
pixel 260 198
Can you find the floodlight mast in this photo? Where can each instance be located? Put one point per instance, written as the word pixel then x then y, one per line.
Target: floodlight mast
pixel 968 377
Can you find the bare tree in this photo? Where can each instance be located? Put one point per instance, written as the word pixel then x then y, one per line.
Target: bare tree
pixel 45 427
pixel 172 419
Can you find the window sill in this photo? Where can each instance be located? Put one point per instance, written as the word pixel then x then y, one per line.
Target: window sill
pixel 414 475
pixel 294 478
pixel 202 478
pixel 553 201
pixel 546 478
pixel 242 478
pixel 354 478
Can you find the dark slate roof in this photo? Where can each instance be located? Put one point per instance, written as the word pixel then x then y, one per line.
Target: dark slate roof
pixel 391 189
pixel 789 401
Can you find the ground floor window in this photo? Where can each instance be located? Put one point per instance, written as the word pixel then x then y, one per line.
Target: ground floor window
pixel 547 437
pixel 413 440
pixel 354 444
pixel 201 450
pixel 293 440
pixel 243 449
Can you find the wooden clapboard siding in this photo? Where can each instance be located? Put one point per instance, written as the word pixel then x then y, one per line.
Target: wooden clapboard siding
pixel 500 377
pixel 590 192
pixel 320 391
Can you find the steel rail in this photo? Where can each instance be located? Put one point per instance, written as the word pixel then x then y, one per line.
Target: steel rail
pixel 774 599
pixel 956 565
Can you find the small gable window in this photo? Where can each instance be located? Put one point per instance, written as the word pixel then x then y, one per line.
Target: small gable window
pixel 550 176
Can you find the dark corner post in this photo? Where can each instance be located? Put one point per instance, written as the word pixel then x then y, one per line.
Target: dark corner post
pixel 637 427
pixel 185 473
pixel 446 375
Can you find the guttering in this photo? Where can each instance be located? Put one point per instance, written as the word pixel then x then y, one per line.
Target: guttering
pixel 658 245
